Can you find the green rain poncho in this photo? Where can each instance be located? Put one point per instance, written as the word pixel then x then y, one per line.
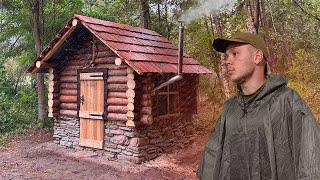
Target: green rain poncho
pixel 272 135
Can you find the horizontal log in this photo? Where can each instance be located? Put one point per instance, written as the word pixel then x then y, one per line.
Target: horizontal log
pixel 70 113
pixel 130 100
pixel 72 92
pixel 118 61
pixel 117 72
pixel 105 60
pixel 54 84
pixel 53 114
pixel 68 79
pixel 130 106
pixel 68 72
pixel 53 77
pixel 102 53
pixel 52 110
pixel 146 103
pixel 68 85
pixel 83 56
pixel 130 123
pixel 146 119
pixel 146 97
pixel 68 99
pixel 117 109
pixel 146 88
pixel 43 64
pixel 69 106
pixel 117 94
pixel 53 103
pixel 131 84
pixel 130 114
pixel 111 66
pixel 116 117
pixel 117 87
pixel 53 95
pixel 130 76
pixel 83 50
pixel 117 79
pixel 70 68
pixel 52 89
pixel 130 93
pixel 76 62
pixel 130 70
pixel 117 101
pixel 146 110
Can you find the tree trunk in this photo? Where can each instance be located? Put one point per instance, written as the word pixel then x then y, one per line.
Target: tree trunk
pixel 144 14
pixel 40 76
pixel 272 61
pixel 222 64
pixel 253 16
pixel 159 12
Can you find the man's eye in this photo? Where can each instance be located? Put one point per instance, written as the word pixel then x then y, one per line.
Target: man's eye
pixel 234 54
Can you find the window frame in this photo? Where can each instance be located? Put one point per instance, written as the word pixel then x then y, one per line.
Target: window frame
pixel 167 92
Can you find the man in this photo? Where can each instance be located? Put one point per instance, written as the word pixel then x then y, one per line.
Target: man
pixel 265 132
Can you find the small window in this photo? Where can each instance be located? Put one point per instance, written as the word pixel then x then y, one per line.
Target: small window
pixel 165 100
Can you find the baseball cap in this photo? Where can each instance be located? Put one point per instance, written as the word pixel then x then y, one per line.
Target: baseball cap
pixel 221 44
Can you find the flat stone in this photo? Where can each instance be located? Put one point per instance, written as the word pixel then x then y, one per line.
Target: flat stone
pixel 117 131
pixel 119 139
pixel 133 142
pixel 127 153
pixel 130 134
pixel 113 126
pixel 125 128
pixel 121 147
pixel 110 145
pixel 113 150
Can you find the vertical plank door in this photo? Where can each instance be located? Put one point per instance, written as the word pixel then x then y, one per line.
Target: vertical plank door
pixel 91 109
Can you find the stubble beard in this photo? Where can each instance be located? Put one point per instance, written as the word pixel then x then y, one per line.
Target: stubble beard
pixel 240 79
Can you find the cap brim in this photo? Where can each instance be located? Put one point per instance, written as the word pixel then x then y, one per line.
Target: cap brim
pixel 221 45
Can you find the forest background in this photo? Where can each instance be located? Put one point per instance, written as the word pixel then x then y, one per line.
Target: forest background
pixel 290 27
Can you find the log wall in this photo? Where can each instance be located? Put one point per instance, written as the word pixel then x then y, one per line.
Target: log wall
pixel 80 56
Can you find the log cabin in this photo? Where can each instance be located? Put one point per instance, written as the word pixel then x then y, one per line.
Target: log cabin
pixel 102 89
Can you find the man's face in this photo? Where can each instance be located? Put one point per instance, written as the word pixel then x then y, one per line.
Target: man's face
pixel 240 64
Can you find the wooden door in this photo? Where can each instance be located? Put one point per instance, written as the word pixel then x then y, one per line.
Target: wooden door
pixel 91 111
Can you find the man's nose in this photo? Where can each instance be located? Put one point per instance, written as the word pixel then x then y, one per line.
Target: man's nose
pixel 228 60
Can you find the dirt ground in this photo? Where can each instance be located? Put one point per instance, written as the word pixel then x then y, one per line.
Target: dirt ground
pixel 33 155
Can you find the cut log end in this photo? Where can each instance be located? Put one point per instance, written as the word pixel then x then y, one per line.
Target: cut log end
pixel 118 61
pixel 130 123
pixel 74 22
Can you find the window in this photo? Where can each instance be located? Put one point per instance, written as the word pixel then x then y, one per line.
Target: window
pixel 165 101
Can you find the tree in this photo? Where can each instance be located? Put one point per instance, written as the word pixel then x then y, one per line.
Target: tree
pixel 222 67
pixel 144 14
pixel 35 9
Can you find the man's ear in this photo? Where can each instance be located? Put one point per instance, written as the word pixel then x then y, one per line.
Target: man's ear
pixel 258 58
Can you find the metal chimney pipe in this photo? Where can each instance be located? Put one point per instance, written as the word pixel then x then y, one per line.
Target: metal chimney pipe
pixel 180 55
pixel 178 77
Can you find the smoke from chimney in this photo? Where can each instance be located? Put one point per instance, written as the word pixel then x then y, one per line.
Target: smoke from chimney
pixel 205 8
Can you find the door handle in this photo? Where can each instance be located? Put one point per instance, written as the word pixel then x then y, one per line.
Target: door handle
pixel 82 99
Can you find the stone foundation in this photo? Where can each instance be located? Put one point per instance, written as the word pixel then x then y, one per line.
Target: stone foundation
pixel 130 143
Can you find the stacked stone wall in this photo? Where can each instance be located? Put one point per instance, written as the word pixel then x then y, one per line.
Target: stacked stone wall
pixel 136 144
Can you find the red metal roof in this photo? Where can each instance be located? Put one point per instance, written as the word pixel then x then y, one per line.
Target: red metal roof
pixel 142 49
